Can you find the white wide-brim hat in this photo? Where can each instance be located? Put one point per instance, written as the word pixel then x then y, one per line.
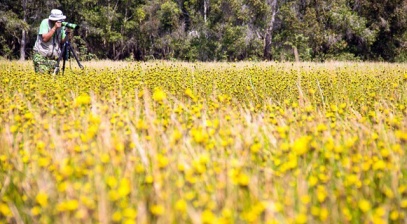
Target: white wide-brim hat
pixel 56 15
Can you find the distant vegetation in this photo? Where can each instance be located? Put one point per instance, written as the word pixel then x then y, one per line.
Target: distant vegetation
pixel 217 30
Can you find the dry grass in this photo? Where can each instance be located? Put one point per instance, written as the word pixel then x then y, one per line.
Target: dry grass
pixel 169 142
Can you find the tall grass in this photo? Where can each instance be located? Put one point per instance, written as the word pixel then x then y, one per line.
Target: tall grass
pixel 169 142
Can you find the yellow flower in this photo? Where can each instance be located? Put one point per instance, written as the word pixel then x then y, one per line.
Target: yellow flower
pixel 378 220
pixel 301 218
pixel 379 165
pixel 199 136
pixel 66 170
pixel 364 205
pixel 129 221
pixel 181 205
pixel 124 187
pixel 379 212
pixel 111 181
pixel 13 129
pixel 315 211
pixel 113 195
pixel 321 193
pixel 42 199
pixel 227 213
pixel 394 215
pixel 301 145
pixel 29 116
pixel 94 119
pixel 70 205
pixel 159 95
pixel 162 161
pixel 157 210
pixel 130 213
pixel 347 214
pixel 176 136
pixel 312 181
pixel 243 179
pixel 83 99
pixel 255 148
pixel 117 216
pixel 35 211
pixel 208 217
pixel 149 179
pixel 119 146
pixel 40 145
pixel 5 210
pixel 305 199
pixel 401 135
pixel 351 179
pixel 141 125
pixel 189 93
pixel 44 162
pixel 91 132
pixel 104 158
pixel 321 127
pixel 323 214
pixel 388 192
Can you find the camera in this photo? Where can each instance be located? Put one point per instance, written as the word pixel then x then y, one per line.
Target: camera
pixel 70 25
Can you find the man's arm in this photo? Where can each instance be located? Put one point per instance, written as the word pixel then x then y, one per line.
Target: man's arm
pixel 47 36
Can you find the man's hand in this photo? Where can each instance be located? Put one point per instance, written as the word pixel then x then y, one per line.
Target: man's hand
pixel 46 37
pixel 58 24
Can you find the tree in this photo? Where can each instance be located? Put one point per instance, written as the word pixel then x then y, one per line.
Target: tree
pixel 210 30
pixel 273 8
pixel 389 20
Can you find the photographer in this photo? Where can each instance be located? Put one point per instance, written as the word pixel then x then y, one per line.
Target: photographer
pixel 48 44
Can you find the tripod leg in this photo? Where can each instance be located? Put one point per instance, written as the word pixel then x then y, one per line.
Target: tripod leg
pixel 63 66
pixel 61 55
pixel 76 57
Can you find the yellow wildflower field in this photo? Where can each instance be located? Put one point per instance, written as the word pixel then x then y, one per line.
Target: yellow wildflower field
pixel 172 142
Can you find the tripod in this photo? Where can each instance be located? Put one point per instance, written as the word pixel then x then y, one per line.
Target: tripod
pixel 65 53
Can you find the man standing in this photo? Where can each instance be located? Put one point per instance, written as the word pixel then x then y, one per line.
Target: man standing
pixel 48 44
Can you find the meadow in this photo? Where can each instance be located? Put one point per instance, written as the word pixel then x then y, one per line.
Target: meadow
pixel 173 142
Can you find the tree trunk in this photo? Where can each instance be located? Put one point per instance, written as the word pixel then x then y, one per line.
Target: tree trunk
pixel 22 45
pixel 267 47
pixel 206 5
pixel 269 30
pixel 295 50
pixel 23 33
pixel 186 17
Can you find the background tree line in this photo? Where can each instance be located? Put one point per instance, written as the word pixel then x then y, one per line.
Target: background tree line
pixel 215 30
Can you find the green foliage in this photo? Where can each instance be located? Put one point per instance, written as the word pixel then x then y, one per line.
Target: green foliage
pixel 168 15
pixel 342 57
pixel 233 43
pixel 10 28
pixel 218 30
pixel 83 52
pixel 5 49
